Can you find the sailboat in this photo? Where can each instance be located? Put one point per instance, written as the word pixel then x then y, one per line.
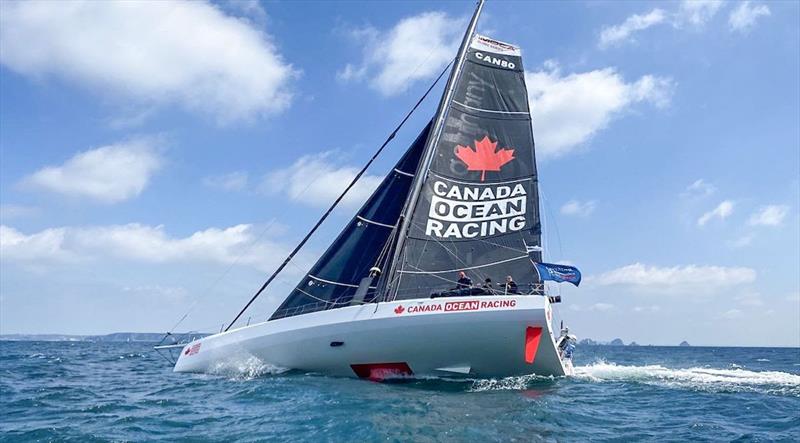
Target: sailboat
pixel 393 295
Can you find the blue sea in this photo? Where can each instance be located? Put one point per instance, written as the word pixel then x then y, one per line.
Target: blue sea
pixel 83 392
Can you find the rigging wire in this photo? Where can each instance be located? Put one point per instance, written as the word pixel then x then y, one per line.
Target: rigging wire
pixel 338 199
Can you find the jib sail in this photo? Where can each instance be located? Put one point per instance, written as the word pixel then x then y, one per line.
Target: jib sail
pixel 477 208
pixel 333 280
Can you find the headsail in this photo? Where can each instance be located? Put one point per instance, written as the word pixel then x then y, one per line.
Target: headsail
pixel 333 280
pixel 478 205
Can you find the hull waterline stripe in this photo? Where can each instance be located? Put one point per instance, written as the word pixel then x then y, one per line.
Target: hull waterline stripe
pixel 464 268
pixel 331 282
pixel 366 220
pixel 532 337
pixel 403 173
pixel 488 110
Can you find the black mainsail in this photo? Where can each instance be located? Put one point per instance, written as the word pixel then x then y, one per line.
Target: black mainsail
pixel 477 208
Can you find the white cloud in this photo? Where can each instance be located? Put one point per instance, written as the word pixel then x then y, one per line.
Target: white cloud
pixel 108 174
pixel 184 52
pixel 416 48
pixel 700 188
pixel 581 209
pixel 744 17
pixel 568 110
pixel 697 12
pixel 317 180
pixel 691 13
pixel 677 278
pixel 45 245
pixel 233 181
pixel 151 244
pixel 614 35
pixel 722 211
pixel 771 215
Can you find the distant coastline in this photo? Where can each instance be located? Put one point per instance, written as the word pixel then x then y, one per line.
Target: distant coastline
pixel 619 342
pixel 114 337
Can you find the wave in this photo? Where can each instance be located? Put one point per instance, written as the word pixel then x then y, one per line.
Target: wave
pixel 519 383
pixel 697 378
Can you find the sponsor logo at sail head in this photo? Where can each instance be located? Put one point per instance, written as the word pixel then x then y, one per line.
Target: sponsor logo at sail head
pixel 464 210
pixel 497 61
pixel 495 44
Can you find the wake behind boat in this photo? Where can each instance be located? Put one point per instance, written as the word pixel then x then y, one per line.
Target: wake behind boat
pixel 409 286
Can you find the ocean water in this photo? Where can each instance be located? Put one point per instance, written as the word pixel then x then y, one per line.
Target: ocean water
pixel 75 391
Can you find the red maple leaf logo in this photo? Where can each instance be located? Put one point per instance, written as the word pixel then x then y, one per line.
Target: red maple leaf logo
pixel 399 309
pixel 484 157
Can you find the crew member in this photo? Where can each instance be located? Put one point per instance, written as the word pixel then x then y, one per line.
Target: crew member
pixel 510 286
pixel 487 286
pixel 566 343
pixel 464 282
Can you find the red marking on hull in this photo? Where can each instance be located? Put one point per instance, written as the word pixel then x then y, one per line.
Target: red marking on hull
pixel 381 371
pixel 532 336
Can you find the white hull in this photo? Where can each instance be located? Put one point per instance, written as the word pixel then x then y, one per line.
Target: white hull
pixel 485 336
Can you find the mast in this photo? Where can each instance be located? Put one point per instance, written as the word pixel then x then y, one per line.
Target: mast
pixel 430 145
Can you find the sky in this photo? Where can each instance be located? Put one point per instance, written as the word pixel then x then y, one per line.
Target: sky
pixel 159 158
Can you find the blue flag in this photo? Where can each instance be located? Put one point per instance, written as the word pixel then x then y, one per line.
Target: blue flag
pixel 559 273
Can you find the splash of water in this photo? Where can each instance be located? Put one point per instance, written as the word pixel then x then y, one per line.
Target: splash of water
pixel 705 379
pixel 245 368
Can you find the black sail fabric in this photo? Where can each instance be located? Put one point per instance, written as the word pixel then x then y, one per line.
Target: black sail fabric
pixel 333 280
pixel 478 210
